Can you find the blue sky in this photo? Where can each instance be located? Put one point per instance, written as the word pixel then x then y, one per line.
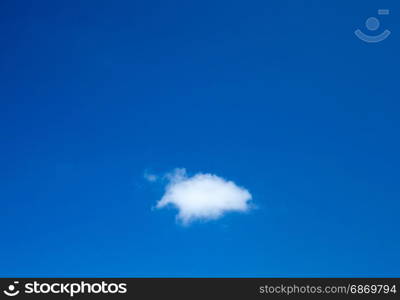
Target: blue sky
pixel 278 96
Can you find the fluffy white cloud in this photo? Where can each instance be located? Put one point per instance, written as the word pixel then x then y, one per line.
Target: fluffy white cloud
pixel 203 196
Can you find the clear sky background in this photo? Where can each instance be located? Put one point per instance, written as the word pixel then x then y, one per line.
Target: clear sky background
pixel 278 96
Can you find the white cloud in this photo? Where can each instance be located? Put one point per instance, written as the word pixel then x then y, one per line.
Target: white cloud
pixel 203 196
pixel 150 177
